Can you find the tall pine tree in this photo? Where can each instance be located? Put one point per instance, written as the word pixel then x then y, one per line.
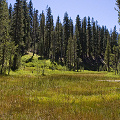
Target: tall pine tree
pixel 114 39
pixel 48 30
pixel 17 33
pixel 108 54
pixel 89 38
pixel 26 22
pixel 102 40
pixel 42 35
pixel 94 40
pixel 59 44
pixel 66 34
pixel 35 36
pixel 30 6
pixel 69 53
pixel 4 37
pixel 84 37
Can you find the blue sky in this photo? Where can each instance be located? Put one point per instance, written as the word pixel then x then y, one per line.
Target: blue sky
pixel 101 10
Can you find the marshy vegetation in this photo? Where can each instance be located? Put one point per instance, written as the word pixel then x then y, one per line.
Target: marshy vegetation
pixel 60 97
pixel 58 94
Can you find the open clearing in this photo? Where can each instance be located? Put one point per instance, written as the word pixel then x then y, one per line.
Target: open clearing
pixel 59 97
pixel 58 94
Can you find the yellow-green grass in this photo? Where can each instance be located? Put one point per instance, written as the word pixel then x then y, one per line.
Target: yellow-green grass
pixel 59 94
pixel 59 97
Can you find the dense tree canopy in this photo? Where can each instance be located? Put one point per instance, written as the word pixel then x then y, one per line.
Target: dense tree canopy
pixel 84 43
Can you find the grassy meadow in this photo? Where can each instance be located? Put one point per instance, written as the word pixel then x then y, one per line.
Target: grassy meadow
pixel 58 94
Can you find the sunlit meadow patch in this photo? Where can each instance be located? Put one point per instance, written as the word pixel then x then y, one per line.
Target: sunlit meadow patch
pixel 59 96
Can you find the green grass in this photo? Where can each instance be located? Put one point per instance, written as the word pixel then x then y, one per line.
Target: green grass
pixel 59 94
pixel 35 67
pixel 64 97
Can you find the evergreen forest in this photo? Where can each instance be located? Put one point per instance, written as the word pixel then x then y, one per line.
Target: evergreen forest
pixel 83 44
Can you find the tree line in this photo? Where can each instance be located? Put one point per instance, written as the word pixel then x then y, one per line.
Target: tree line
pixel 85 44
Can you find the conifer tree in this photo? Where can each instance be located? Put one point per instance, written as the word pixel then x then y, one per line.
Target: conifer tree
pixel 42 35
pixel 102 40
pixel 116 57
pixel 17 33
pixel 71 27
pixel 12 49
pixel 76 59
pixel 108 54
pixel 48 29
pixel 4 37
pixel 72 53
pixel 30 6
pixel 114 39
pixel 26 22
pixel 89 38
pixel 97 45
pixel 53 41
pixel 97 36
pixel 78 36
pixel 70 47
pixel 59 40
pixel 35 31
pixel 105 39
pixel 10 16
pixel 69 53
pixel 10 11
pixel 99 39
pixel 84 38
pixel 66 33
pixel 52 47
pixel 94 39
